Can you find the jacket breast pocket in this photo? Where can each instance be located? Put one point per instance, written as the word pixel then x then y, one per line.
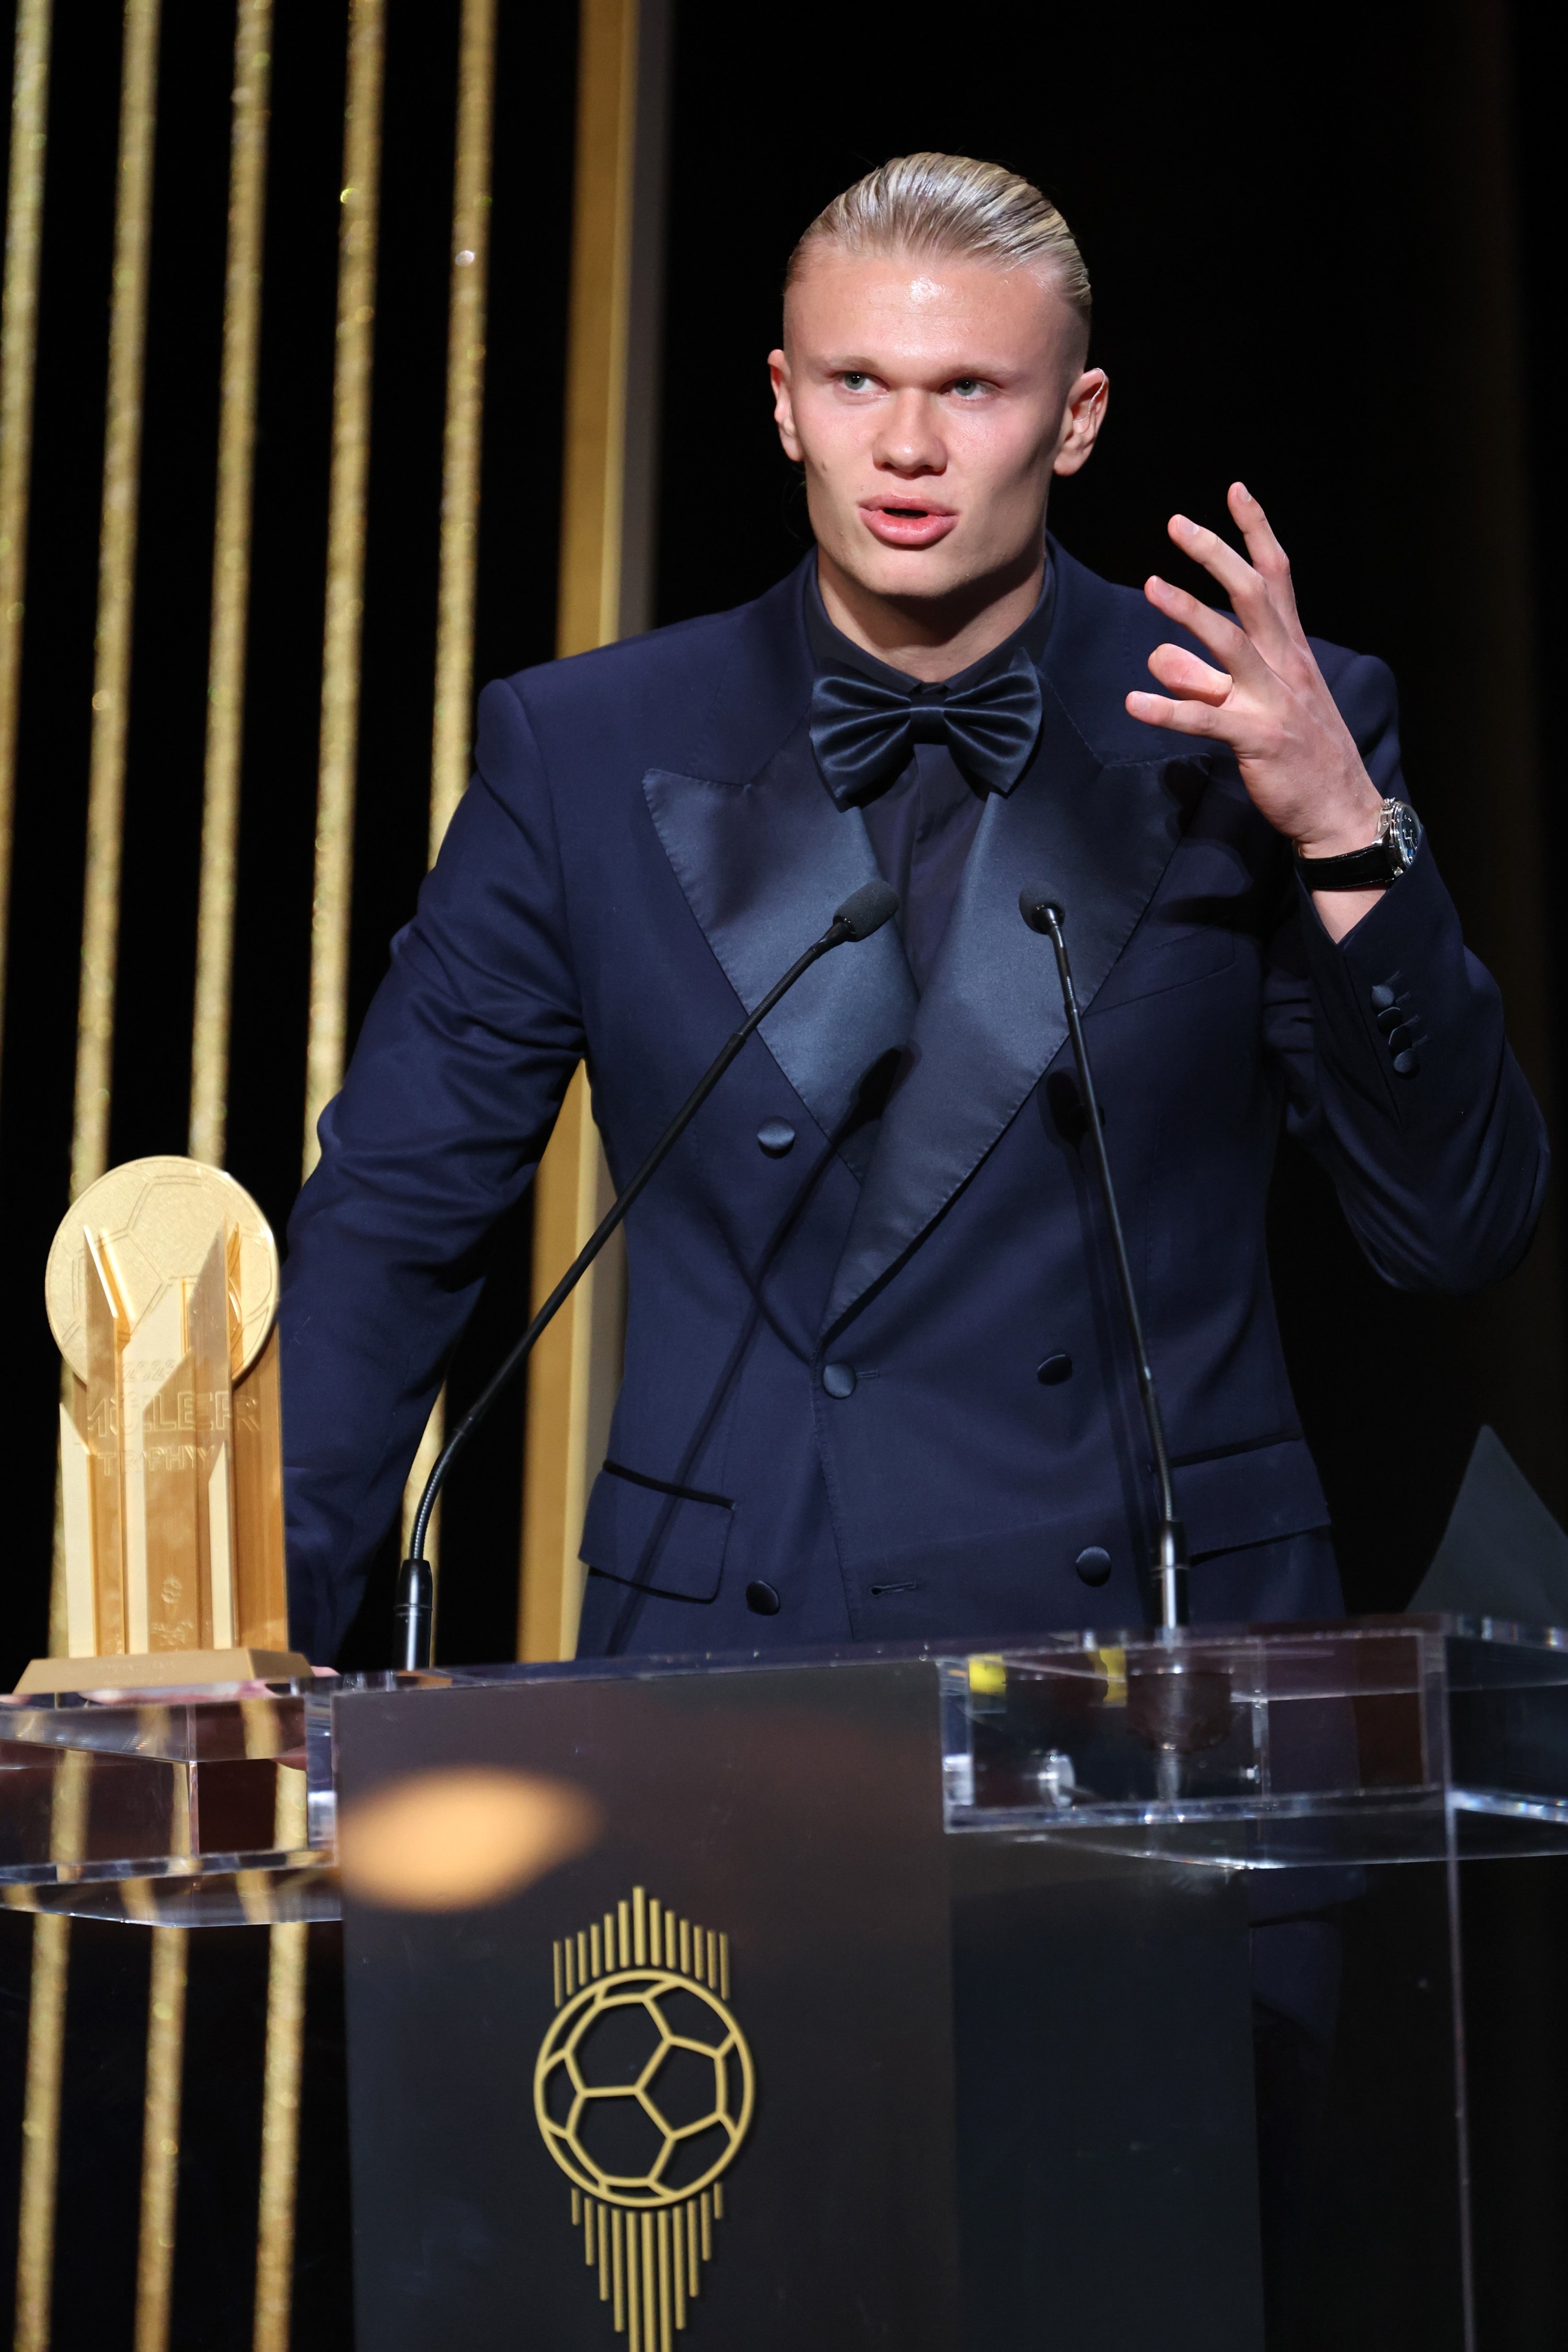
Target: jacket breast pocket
pixel 663 1538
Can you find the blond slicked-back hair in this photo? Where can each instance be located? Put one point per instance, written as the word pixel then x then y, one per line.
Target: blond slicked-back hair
pixel 952 207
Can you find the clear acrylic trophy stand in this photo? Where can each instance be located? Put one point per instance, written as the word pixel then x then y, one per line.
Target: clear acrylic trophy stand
pixel 187 1809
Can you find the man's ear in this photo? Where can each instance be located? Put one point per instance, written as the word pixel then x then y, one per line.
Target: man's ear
pixel 784 406
pixel 1081 419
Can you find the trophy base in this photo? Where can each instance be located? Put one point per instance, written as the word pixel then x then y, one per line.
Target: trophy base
pixel 163 1670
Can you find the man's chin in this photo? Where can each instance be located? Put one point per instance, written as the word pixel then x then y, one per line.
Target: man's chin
pixel 908 576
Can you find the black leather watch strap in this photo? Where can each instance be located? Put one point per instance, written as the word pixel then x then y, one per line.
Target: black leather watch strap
pixel 1361 869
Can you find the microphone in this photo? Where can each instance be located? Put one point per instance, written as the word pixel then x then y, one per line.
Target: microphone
pixel 1041 913
pixel 864 911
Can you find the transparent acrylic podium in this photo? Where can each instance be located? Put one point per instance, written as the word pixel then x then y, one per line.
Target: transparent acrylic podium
pixel 1066 1992
pixel 1236 1861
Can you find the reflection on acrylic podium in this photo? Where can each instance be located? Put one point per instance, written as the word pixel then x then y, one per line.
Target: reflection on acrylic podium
pixel 1082 1992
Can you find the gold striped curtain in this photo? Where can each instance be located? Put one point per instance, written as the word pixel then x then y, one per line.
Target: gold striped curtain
pixel 192 937
pixel 241 478
pixel 606 590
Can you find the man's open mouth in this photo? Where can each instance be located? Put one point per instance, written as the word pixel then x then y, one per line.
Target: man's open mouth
pixel 907 523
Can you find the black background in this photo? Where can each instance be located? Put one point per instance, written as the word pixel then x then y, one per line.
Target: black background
pixel 1300 231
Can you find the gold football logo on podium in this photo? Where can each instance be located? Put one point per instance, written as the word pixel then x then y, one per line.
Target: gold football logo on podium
pixel 644 2091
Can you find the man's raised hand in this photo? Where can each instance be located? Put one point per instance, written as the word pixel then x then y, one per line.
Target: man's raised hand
pixel 1267 702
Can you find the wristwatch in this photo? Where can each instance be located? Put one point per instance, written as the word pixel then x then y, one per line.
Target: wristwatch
pixel 1382 862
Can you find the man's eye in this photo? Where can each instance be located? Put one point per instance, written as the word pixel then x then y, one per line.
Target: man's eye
pixel 854 380
pixel 966 387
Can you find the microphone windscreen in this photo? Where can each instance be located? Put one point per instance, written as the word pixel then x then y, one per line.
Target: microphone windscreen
pixel 1037 905
pixel 867 909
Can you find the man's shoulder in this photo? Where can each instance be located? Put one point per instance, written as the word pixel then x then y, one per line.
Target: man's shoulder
pixel 680 648
pixel 664 689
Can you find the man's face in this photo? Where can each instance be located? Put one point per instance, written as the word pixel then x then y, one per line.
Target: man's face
pixel 930 402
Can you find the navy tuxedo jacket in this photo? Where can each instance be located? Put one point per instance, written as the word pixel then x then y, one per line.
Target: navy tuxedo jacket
pixel 646 847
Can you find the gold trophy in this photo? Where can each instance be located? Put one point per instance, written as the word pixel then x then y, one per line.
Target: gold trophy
pixel 163 1291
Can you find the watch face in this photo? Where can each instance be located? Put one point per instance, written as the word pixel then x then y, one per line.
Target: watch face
pixel 1402 831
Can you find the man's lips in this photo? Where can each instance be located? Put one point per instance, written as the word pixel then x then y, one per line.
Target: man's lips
pixel 906 523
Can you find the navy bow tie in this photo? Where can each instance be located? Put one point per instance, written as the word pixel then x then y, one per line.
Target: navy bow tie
pixel 863 731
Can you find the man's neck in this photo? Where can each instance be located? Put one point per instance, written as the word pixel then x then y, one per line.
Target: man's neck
pixel 926 637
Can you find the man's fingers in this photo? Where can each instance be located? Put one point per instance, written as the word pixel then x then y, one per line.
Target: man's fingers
pixel 1216 631
pixel 1270 623
pixel 1268 558
pixel 1183 673
pixel 1246 513
pixel 1216 555
pixel 1186 718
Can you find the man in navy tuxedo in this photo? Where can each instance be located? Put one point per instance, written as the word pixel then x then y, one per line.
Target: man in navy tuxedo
pixel 877 1385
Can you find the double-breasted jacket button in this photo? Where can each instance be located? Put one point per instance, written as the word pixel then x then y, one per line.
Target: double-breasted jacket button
pixel 1093 1564
pixel 1055 1370
pixel 776 1136
pixel 762 1597
pixel 839 1379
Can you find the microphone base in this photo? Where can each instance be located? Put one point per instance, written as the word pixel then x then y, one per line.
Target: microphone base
pixel 415 1615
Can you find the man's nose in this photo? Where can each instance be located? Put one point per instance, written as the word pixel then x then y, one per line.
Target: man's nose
pixel 907 441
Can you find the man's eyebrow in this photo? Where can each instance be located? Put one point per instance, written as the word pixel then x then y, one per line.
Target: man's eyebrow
pixel 992 371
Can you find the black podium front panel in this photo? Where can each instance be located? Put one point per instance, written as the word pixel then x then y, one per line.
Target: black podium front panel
pixel 765 1859
pixel 795 1817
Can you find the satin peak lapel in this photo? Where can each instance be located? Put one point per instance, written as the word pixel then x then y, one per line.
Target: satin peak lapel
pixel 763 866
pixel 991 1021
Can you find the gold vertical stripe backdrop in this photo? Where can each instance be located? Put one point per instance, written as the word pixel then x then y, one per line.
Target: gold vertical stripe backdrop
pixel 331 916
pixel 214 986
pixel 588 602
pixel 160 2138
pixel 462 452
pixel 576 1369
pixel 164 2085
pixel 332 903
pixel 288 1959
pixel 95 1003
pixel 462 449
pixel 18 349
pixel 573 1376
pixel 45 2055
pixel 231 580
pixel 116 595
pixel 285 2021
pixel 41 2134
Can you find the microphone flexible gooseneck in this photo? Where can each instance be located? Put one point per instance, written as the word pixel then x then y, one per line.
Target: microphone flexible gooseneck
pixel 864 911
pixel 1041 913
